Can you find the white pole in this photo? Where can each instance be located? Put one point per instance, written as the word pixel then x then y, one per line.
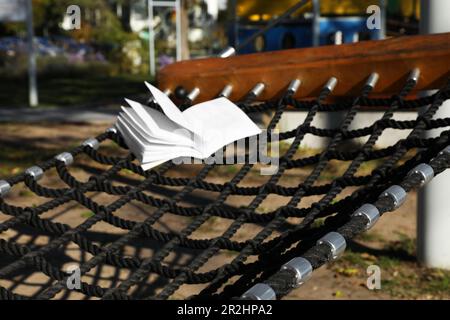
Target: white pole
pixel 33 93
pixel 433 222
pixel 383 7
pixel 316 23
pixel 151 39
pixel 178 29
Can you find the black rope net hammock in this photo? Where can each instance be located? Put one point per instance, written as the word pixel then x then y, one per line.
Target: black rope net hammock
pixel 257 260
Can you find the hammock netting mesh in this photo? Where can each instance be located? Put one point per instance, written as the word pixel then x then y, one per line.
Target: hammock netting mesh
pixel 252 260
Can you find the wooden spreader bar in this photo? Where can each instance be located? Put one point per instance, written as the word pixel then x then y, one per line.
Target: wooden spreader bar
pixel 393 59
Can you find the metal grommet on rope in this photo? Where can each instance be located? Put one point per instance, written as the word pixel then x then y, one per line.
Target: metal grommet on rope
pixel 258 89
pixel 414 75
pixel 294 85
pixel 331 84
pixel 397 194
pixel 226 92
pixel 336 242
pixel 35 172
pixel 425 171
pixel 167 92
pixel 302 268
pixel 5 187
pixel 193 94
pixel 112 130
pixel 65 157
pixel 260 291
pixel 92 142
pixel 370 212
pixel 372 80
pixel 227 52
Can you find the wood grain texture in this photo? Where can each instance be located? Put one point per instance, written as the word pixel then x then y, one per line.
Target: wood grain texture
pixel 351 64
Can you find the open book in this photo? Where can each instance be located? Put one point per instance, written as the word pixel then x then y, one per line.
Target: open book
pixel 197 132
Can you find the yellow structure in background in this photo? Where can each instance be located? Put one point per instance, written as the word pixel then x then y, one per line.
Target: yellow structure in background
pixel 405 8
pixel 256 10
pixel 264 9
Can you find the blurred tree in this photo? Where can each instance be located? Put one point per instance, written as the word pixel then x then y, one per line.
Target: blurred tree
pixel 47 15
pixel 105 25
pixel 122 8
pixel 126 15
pixel 99 20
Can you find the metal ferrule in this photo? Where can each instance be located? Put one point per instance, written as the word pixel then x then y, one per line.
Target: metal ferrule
pixel 35 172
pixel 65 157
pixel 425 171
pixel 111 130
pixel 193 94
pixel 258 89
pixel 397 194
pixel 92 142
pixel 226 92
pixel 372 80
pixel 331 84
pixel 414 75
pixel 227 52
pixel 259 291
pixel 5 187
pixel 336 242
pixel 302 268
pixel 294 85
pixel 370 212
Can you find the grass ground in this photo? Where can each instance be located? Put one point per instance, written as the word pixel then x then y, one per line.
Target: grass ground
pixel 389 245
pixel 78 89
pixel 401 277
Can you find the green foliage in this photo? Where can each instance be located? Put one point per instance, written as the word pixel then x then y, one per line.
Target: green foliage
pixel 47 15
pixel 100 26
pixel 87 214
pixel 76 86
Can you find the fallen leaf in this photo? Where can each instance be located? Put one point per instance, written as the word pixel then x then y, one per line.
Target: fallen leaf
pixel 368 257
pixel 15 170
pixel 348 272
pixel 338 294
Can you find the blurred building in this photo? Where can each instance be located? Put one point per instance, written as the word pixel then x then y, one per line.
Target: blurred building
pixel 317 23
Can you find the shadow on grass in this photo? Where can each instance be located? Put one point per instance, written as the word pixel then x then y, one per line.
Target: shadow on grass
pixel 73 90
pixel 398 251
pixel 18 154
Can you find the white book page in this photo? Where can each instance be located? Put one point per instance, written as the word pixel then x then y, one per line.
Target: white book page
pixel 170 109
pixel 158 125
pixel 153 152
pixel 222 123
pixel 198 132
pixel 133 127
pixel 169 153
pixel 138 127
pixel 131 142
pixel 151 165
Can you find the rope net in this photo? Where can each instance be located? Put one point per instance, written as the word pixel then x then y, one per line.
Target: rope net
pixel 246 257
